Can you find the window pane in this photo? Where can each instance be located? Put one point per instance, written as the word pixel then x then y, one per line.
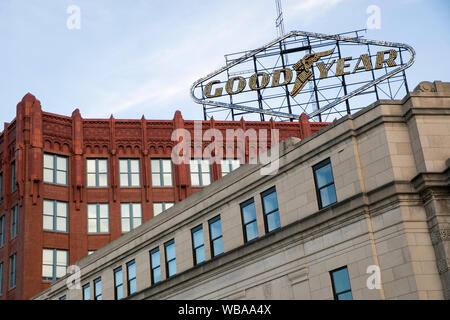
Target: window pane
pixel 104 225
pixel 137 211
pixel 324 176
pixel 251 231
pixel 345 296
pixel 197 237
pixel 61 224
pixel 124 180
pixel 195 179
pixel 118 278
pixel 218 246
pixel 132 286
pixel 92 210
pixel 48 161
pixel 60 271
pixel 170 251
pixel 61 257
pixel 91 180
pixel 61 163
pixel 125 225
pixel 47 271
pixel 270 202
pixel 200 254
pixel 215 229
pixel 249 213
pixel 236 163
pixel 103 180
pixel 61 177
pixel 125 209
pixel 328 195
pixel 48 222
pixel 134 165
pixel 157 275
pixel 172 268
pixel 48 175
pixel 206 179
pixel 341 280
pixel 193 166
pixel 157 208
pixel 135 180
pixel 90 165
pixel 156 180
pixel 103 166
pixel 104 211
pixel 205 165
pixel 131 270
pixel 92 225
pixel 47 256
pixel 273 221
pixel 156 260
pixel 48 207
pixel 61 209
pixel 167 177
pixel 169 205
pixel 123 166
pixel 167 166
pixel 155 166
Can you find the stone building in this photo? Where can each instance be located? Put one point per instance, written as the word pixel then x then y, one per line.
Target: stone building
pixel 368 193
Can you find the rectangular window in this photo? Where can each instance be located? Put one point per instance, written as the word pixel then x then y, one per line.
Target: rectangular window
pixel 98 217
pixel 118 283
pixel 341 284
pixel 56 216
pixel 155 265
pixel 323 178
pixel 54 264
pixel 87 292
pixel 200 172
pixel 97 173
pixel 63 298
pixel 171 265
pixel 270 209
pixel 129 173
pixel 131 216
pixel 161 172
pixel 14 221
pixel 12 270
pixel 1 278
pixel 131 276
pixel 98 289
pixel 215 236
pixel 249 224
pixel 229 165
pixel 2 230
pixel 55 169
pixel 159 207
pixel 198 244
pixel 13 176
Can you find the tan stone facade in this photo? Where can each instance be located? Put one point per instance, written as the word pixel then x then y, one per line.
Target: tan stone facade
pixel 391 169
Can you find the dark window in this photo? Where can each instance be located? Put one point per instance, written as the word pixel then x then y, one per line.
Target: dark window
pixel 118 284
pixel 87 292
pixel 97 173
pixel 161 172
pixel 215 236
pixel 14 221
pixel 155 264
pixel 323 179
pixel 2 230
pixel 198 244
pixel 13 176
pixel 171 265
pixel 55 216
pixel 270 209
pixel 341 284
pixel 55 169
pixel 12 270
pixel 129 173
pixel 249 224
pixel 131 276
pixel 98 289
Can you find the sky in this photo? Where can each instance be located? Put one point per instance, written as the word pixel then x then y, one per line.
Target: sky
pixel 140 57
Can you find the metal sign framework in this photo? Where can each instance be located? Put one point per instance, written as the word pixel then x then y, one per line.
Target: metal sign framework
pixel 323 99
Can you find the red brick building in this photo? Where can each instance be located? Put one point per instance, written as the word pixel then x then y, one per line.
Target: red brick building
pixel 71 185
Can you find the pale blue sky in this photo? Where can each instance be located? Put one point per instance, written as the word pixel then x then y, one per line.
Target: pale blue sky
pixel 140 57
